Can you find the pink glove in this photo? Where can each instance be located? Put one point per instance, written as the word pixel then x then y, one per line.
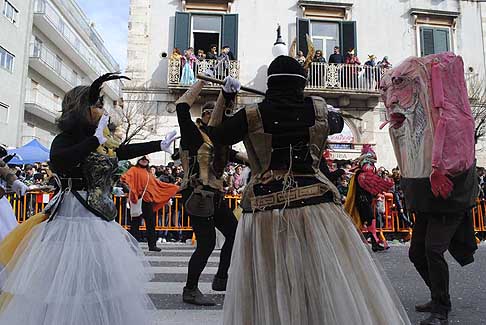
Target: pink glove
pixel 440 184
pixel 373 183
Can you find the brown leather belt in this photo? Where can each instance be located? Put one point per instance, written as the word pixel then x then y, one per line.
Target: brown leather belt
pixel 295 194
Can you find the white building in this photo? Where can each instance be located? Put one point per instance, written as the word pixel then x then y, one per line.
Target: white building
pixel 393 28
pixel 54 48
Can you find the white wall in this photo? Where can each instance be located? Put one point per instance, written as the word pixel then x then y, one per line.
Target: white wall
pixel 14 39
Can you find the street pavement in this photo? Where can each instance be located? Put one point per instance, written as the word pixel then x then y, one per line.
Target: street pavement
pixel 170 267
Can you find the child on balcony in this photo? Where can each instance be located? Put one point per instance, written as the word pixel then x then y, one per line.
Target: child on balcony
pixel 188 62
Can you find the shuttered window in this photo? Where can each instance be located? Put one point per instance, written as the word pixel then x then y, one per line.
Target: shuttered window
pixel 434 40
pixel 228 32
pixel 347 35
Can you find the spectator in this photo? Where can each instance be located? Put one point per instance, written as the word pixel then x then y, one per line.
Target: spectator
pixel 336 57
pixel 385 64
pixel 188 64
pixel 176 54
pixel 318 57
pixel 370 73
pixel 201 56
pixel 226 54
pixel 28 178
pixel 352 72
pixel 213 53
pixel 153 170
pixel 301 58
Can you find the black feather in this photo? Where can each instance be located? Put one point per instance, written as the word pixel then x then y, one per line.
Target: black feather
pixel 95 88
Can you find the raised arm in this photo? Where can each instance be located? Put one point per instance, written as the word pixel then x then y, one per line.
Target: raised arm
pixel 190 135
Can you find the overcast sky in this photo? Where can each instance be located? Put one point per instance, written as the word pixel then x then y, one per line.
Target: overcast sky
pixel 111 21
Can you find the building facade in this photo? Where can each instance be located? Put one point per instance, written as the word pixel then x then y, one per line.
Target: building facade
pixel 60 50
pixel 393 28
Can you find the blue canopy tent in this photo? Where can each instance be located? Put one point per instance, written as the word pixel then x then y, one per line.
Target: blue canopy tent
pixel 30 153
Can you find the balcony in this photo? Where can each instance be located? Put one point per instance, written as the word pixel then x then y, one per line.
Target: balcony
pixel 341 84
pixel 221 71
pixel 57 30
pixel 46 62
pixel 42 105
pixel 345 84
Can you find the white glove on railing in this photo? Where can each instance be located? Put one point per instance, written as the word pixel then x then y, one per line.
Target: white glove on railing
pixel 231 85
pixel 19 187
pixel 166 144
pixel 102 124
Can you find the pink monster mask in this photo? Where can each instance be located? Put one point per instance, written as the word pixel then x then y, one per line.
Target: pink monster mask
pixel 431 123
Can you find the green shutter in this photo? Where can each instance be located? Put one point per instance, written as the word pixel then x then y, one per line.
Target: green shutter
pixel 303 29
pixel 441 40
pixel 230 33
pixel 182 30
pixel 427 45
pixel 348 37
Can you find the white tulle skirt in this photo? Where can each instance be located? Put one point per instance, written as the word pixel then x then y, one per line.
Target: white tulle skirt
pixel 76 270
pixel 306 266
pixel 7 218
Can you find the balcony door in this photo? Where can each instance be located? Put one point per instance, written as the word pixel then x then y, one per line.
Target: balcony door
pixel 201 30
pixel 206 31
pixel 326 34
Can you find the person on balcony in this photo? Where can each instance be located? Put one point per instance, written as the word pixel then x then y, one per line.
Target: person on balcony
pixel 298 258
pixel 176 54
pixel 202 188
pixel 301 58
pixel 336 57
pixel 188 62
pixel 352 73
pixel 318 57
pixel 370 73
pixel 213 53
pixel 201 56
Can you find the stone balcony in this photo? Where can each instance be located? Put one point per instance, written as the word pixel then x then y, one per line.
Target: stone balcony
pixel 342 85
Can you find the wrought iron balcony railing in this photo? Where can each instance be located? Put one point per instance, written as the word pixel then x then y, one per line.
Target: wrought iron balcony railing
pixel 179 75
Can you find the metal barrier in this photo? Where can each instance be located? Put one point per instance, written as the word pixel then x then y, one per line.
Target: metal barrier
pixel 172 217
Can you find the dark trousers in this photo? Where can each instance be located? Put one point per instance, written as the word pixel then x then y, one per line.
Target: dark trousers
pixel 149 216
pixel 204 228
pixel 432 235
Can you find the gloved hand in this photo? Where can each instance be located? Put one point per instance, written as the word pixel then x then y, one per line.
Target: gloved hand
pixel 102 124
pixel 19 187
pixel 440 184
pixel 166 144
pixel 231 85
pixel 331 108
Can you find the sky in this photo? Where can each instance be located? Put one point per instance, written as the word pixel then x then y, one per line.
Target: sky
pixel 111 22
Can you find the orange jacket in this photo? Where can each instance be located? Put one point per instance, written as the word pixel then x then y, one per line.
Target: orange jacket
pixel 159 193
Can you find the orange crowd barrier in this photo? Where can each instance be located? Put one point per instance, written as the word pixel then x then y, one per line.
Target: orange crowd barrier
pixel 173 218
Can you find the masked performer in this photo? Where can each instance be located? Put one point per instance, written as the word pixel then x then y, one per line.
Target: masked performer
pixel 80 266
pixel 298 258
pixel 432 131
pixel 202 189
pixel 363 187
pixel 8 221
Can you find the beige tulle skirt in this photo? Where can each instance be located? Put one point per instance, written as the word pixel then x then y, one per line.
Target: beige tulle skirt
pixel 306 266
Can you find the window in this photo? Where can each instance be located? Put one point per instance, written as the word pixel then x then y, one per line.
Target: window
pixel 206 30
pixel 58 64
pixel 326 35
pixel 6 59
pixel 37 47
pixel 202 30
pixel 434 40
pixel 4 108
pixel 10 12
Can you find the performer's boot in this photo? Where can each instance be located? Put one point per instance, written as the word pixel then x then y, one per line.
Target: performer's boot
pixel 195 297
pixel 219 284
pixel 436 319
pixel 375 247
pixel 425 308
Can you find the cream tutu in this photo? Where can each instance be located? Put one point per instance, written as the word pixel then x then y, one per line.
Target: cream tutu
pixel 306 266
pixel 76 270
